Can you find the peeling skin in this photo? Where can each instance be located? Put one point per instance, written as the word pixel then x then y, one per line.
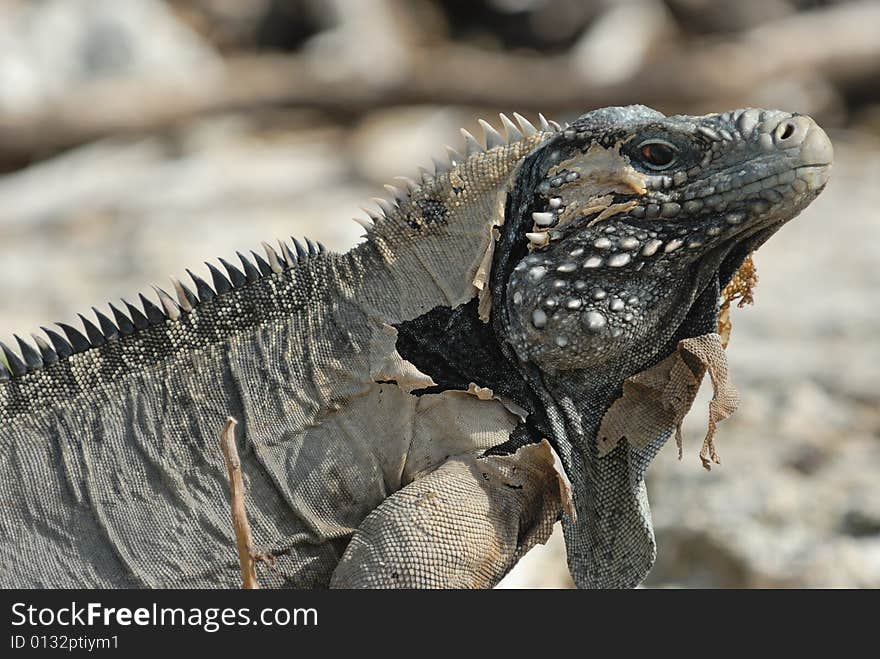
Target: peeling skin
pixel 601 173
pixel 485 267
pixel 660 398
pixel 483 393
pixel 392 367
pixel 407 435
pixel 611 210
pixel 413 435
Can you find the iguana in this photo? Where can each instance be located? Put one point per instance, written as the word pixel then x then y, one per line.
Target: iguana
pixel 516 338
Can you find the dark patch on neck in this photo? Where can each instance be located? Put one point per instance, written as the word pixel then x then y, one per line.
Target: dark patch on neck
pixel 456 348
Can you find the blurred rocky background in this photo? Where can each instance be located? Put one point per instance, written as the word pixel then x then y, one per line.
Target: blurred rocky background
pixel 138 137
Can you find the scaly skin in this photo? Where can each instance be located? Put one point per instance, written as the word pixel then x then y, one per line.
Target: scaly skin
pixel 538 274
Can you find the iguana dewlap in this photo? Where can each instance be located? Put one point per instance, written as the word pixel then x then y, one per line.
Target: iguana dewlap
pixel 416 412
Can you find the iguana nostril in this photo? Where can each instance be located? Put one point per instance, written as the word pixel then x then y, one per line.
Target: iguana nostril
pixel 799 136
pixel 785 131
pixel 790 132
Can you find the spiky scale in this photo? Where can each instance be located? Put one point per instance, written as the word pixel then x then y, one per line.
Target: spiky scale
pixel 545 125
pixel 366 224
pixel 30 354
pixel 123 322
pixel 513 133
pixel 373 215
pixel 321 248
pixel 527 126
pixel 411 185
pixel 471 145
pixel 171 308
pixel 50 357
pixel 108 329
pixel 250 270
pixel 154 314
pixel 75 337
pixel 221 283
pixel 272 255
pixel 139 319
pixel 4 372
pixel 289 257
pixel 185 297
pixel 94 335
pixel 301 251
pixel 313 248
pixel 398 194
pixel 454 156
pixel 17 366
pixel 426 176
pixel 236 276
pixel 439 166
pixel 493 137
pixel 386 206
pixel 264 268
pixel 203 289
pixel 61 345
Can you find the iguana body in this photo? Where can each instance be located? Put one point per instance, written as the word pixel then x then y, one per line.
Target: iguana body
pixel 393 400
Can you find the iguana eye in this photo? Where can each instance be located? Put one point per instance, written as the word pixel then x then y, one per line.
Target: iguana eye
pixel 658 154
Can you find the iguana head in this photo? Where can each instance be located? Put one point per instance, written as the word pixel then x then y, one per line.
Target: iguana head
pixel 630 214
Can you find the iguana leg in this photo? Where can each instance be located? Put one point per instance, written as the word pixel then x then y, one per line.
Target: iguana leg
pixel 464 525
